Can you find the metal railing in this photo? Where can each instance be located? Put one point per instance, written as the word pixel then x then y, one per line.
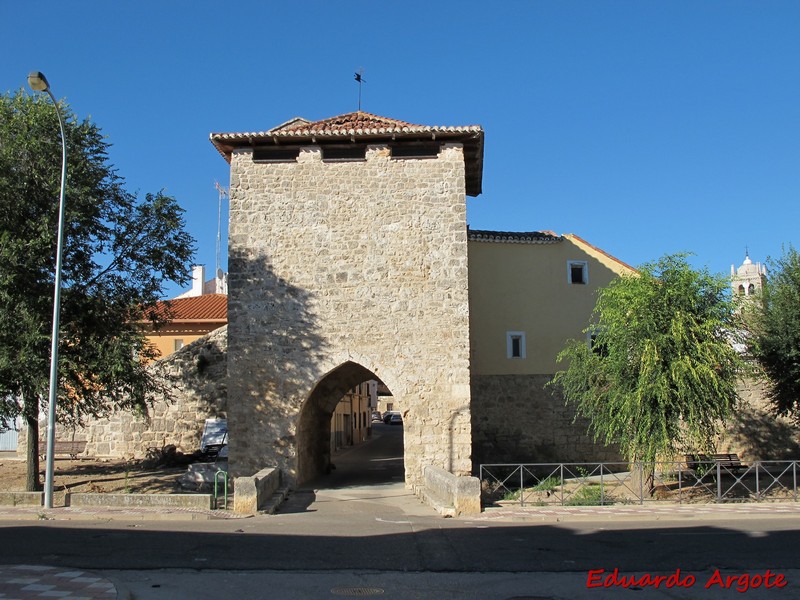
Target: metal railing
pixel 607 483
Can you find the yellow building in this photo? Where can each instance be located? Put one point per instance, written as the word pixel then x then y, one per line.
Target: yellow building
pixel 530 292
pixel 188 319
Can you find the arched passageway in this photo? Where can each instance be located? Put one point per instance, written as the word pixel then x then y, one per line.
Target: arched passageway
pixel 316 438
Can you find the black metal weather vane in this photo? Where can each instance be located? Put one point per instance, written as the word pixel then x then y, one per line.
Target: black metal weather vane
pixel 360 80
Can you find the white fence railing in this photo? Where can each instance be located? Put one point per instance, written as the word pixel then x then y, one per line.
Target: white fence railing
pixel 597 484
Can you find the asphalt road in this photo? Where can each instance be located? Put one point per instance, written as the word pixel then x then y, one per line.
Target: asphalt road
pixel 361 527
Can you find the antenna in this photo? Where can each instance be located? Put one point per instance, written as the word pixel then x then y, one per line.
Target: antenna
pixel 360 80
pixel 223 193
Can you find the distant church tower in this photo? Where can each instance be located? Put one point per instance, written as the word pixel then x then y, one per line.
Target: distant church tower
pixel 749 278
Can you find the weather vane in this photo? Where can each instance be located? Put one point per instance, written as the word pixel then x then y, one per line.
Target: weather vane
pixel 360 80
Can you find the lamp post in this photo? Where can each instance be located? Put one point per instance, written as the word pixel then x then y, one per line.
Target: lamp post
pixel 38 83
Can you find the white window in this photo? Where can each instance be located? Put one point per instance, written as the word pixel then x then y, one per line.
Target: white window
pixel 594 346
pixel 178 345
pixel 515 344
pixel 577 272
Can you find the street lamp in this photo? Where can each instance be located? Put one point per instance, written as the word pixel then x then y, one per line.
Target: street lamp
pixel 38 83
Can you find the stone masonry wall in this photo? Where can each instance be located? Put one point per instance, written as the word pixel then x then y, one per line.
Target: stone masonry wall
pixel 197 374
pixel 756 433
pixel 348 261
pixel 516 419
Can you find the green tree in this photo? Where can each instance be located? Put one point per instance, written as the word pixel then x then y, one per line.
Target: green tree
pixel 119 251
pixel 661 374
pixel 774 332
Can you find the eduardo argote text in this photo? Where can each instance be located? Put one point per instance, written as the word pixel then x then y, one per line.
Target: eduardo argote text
pixel 741 582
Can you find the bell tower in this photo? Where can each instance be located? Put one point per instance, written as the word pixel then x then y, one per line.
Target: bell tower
pixel 748 279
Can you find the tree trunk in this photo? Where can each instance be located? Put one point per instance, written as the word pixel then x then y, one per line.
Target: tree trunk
pixel 643 475
pixel 30 412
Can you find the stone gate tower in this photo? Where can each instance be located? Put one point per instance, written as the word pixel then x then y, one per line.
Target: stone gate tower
pixel 348 262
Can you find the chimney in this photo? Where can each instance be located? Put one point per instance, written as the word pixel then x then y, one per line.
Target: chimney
pixel 198 278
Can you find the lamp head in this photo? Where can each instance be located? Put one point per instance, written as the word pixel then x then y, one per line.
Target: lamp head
pixel 38 81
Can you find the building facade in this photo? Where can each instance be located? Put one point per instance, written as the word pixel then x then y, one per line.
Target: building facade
pixel 186 320
pixel 530 292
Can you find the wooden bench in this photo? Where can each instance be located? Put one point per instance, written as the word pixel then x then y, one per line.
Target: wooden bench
pixel 704 462
pixel 70 448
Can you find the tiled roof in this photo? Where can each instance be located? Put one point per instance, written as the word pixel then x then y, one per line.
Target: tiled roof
pixel 573 237
pixel 363 127
pixel 205 308
pixel 347 123
pixel 515 237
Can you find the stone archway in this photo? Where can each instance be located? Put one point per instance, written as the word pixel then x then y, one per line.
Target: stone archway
pixel 314 421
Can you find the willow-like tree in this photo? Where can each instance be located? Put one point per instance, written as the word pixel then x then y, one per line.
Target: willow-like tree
pixel 661 373
pixel 119 252
pixel 774 325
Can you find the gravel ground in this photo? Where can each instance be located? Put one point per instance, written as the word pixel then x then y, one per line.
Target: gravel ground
pixel 94 476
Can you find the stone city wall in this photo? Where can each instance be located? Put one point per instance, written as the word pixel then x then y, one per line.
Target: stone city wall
pixel 515 418
pixel 197 375
pixel 756 433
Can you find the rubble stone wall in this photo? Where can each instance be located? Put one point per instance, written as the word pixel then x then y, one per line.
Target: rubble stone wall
pixel 756 433
pixel 197 375
pixel 515 418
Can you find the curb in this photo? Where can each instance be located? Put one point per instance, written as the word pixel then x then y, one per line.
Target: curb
pixel 21 513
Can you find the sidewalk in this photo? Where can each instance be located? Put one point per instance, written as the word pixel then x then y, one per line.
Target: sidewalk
pixel 508 513
pixel 555 514
pixel 103 513
pixel 26 582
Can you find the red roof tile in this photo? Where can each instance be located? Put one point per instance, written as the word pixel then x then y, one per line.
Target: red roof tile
pixel 208 307
pixel 354 121
pixel 361 127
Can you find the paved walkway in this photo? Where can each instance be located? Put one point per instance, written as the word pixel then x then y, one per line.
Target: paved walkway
pixel 102 513
pixel 504 513
pixel 646 511
pixel 25 582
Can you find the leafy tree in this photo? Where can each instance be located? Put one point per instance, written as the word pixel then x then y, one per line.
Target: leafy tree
pixel 118 253
pixel 774 332
pixel 661 375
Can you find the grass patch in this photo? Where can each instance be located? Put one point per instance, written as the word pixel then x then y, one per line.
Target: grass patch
pixel 511 495
pixel 588 495
pixel 547 485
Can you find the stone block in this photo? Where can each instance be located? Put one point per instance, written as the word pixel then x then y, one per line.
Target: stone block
pixel 251 493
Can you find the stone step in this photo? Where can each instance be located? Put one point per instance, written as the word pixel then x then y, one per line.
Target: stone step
pixel 278 497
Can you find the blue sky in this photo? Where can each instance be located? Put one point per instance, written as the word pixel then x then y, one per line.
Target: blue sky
pixel 644 127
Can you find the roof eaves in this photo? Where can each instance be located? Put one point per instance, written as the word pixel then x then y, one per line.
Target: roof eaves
pixel 514 237
pixel 572 236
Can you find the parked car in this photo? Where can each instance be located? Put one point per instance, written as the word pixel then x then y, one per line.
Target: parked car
pixel 395 419
pixel 376 416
